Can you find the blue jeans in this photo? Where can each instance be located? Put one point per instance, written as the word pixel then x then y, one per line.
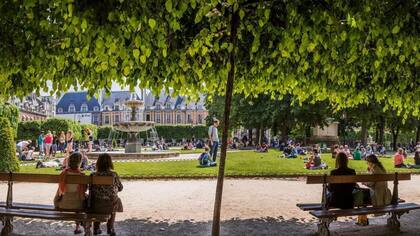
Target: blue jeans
pixel 213 150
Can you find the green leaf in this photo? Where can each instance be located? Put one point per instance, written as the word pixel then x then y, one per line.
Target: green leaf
pixel 136 53
pixel 84 24
pixel 126 71
pixel 396 29
pixel 168 5
pixel 152 23
pixel 241 14
pixel 311 47
pixel 143 59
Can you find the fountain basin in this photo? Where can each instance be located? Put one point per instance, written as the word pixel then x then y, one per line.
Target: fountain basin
pixel 134 126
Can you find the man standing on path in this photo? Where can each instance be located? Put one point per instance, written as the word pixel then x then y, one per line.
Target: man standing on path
pixel 214 139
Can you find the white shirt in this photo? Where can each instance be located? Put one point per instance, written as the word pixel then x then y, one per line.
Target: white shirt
pixel 213 134
pixel 23 144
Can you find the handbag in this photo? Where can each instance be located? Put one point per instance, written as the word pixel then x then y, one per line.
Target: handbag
pixel 361 197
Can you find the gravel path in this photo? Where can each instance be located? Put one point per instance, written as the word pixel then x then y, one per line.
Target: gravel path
pixel 185 207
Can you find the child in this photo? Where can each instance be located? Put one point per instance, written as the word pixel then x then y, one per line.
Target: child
pixel 315 162
pixel 204 159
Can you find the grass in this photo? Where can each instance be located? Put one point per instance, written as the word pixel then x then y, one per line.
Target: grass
pixel 242 163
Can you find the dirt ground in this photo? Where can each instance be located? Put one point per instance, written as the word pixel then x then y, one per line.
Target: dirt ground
pixel 185 207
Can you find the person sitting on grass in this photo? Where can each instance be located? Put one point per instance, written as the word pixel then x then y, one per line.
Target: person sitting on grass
pixel 290 152
pixel 416 161
pixel 357 155
pixel 204 158
pixel 262 148
pixel 71 196
pixel 315 162
pixel 399 159
pixel 341 195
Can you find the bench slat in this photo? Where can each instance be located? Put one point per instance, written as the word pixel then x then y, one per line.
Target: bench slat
pixel 341 179
pixel 48 178
pixel 316 206
pixel 365 210
pixel 51 215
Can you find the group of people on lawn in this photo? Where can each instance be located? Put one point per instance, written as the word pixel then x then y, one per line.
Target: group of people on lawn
pixel 101 199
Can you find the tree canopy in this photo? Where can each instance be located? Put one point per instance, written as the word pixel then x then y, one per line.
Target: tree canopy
pixel 347 53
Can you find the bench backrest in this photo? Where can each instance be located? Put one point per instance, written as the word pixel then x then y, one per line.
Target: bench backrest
pixel 48 178
pixel 342 179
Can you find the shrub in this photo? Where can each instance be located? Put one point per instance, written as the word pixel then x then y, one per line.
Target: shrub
pixel 8 159
pixel 103 132
pixel 57 125
pixel 179 132
pixel 29 130
pixel 11 112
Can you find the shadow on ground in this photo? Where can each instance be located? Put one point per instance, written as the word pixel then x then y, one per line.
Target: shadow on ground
pixel 262 226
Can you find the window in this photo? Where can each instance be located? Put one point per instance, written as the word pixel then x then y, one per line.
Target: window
pixel 168 118
pixel 106 120
pixel 148 117
pixel 168 106
pixel 84 108
pixel 116 118
pixel 158 106
pixel 96 108
pixel 178 118
pixel 72 108
pixel 106 108
pixel 157 117
pixel 95 120
pixel 116 107
pixel 200 119
pixel 189 120
pixel 60 110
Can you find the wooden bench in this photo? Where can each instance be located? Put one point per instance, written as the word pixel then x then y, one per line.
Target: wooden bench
pixel 325 215
pixel 10 209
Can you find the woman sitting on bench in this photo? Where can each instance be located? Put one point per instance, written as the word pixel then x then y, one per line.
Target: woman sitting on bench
pixel 341 195
pixel 380 195
pixel 104 198
pixel 71 196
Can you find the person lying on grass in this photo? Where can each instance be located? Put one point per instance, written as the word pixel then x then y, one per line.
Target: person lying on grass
pixel 204 158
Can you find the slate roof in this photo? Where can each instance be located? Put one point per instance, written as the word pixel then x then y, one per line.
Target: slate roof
pixel 77 99
pixel 117 97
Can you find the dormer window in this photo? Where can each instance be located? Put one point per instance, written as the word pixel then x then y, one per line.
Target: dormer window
pixel 96 108
pixel 106 108
pixel 84 108
pixel 60 110
pixel 157 106
pixel 116 107
pixel 168 106
pixel 72 108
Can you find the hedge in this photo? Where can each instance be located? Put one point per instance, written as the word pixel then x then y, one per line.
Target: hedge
pixel 57 125
pixel 11 112
pixel 179 132
pixel 168 132
pixel 29 130
pixel 8 159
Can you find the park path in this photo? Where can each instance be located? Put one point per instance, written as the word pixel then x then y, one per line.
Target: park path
pixel 184 207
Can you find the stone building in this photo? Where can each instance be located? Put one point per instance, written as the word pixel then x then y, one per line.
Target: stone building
pixel 35 107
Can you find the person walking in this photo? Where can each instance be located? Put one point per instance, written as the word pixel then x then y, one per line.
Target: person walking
pixel 214 139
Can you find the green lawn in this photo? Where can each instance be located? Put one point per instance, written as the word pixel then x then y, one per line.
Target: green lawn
pixel 242 163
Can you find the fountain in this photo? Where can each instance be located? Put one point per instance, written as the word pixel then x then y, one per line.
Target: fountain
pixel 134 126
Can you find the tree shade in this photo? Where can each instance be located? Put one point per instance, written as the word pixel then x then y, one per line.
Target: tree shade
pixel 345 52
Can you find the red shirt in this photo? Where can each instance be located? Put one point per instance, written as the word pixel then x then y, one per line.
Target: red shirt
pixel 48 139
pixel 398 159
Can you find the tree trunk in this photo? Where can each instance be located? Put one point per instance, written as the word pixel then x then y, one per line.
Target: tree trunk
pixel 418 133
pixel 381 127
pixel 228 100
pixel 257 136
pixel 250 137
pixel 364 132
pixel 395 133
